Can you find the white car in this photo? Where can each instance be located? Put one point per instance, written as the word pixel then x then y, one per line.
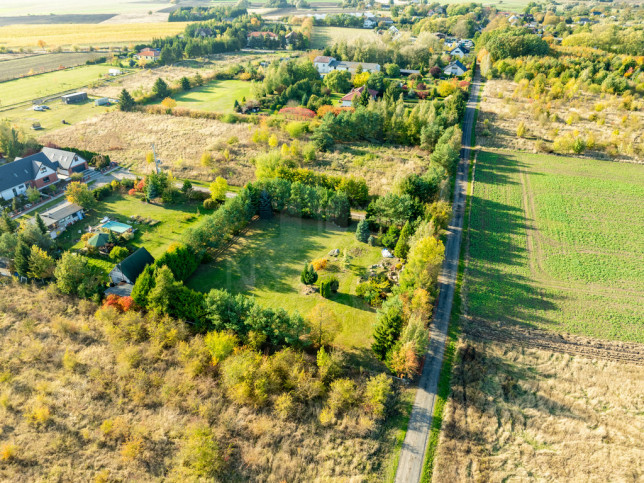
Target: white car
pixel 40 108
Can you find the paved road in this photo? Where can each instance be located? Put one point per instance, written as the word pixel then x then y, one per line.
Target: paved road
pixel 412 453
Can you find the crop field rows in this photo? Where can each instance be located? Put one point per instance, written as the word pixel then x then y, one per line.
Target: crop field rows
pixel 558 243
pixel 34 64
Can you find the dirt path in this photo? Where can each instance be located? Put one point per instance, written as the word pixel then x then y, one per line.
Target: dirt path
pixel 626 352
pixel 410 464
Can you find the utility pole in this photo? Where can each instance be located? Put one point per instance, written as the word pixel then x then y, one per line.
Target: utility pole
pixel 157 161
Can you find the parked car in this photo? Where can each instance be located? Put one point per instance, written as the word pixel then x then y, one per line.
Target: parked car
pixel 39 108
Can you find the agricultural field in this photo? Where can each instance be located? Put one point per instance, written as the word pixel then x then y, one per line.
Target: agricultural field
pixel 85 35
pixel 179 142
pixel 76 7
pixel 43 85
pixel 601 118
pixel 24 116
pixel 323 36
pixel 529 414
pixel 558 243
pixel 34 64
pixel 216 96
pixel 267 261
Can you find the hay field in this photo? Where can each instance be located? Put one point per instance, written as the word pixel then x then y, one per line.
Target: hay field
pixel 323 36
pixel 84 35
pixel 615 131
pixel 522 414
pixel 76 7
pixel 179 142
pixel 558 243
pixel 14 68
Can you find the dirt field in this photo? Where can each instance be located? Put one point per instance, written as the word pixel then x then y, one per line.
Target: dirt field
pixel 14 68
pixel 615 131
pixel 529 414
pixel 179 142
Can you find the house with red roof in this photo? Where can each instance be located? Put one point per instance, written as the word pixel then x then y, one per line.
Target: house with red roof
pixel 347 100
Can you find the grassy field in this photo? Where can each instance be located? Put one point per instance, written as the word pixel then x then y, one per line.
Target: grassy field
pixel 267 262
pixel 558 243
pixel 82 35
pixel 46 7
pixel 323 36
pixel 218 96
pixel 51 119
pixel 156 239
pixel 12 69
pixel 34 87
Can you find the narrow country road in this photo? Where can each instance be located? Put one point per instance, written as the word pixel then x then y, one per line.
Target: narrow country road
pixel 410 464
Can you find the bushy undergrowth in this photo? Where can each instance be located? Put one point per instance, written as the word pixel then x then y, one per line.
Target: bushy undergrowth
pixel 103 394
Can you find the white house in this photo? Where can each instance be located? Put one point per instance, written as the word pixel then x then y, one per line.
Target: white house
pixel 114 72
pixel 347 100
pixel 60 217
pixel 33 171
pixel 459 51
pixel 325 64
pixel 455 68
pixel 66 162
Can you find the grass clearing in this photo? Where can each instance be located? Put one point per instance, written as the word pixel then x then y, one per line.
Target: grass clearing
pixel 216 96
pixel 46 7
pixel 323 36
pixel 43 85
pixel 85 35
pixel 266 263
pixel 558 243
pixel 156 239
pixel 14 68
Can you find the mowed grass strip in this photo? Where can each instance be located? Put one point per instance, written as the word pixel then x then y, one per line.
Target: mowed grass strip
pixel 83 35
pixel 43 85
pixel 216 96
pixel 266 263
pixel 326 36
pixel 558 243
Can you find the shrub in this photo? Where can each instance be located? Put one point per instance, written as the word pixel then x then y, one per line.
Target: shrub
pixel 220 345
pixel 284 405
pixel 319 264
pixel 296 129
pixel 376 394
pixel 8 452
pixel 342 395
pixel 362 231
pixel 119 253
pixel 308 276
pixel 329 286
pixel 210 204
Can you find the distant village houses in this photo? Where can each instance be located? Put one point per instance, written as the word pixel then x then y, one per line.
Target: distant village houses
pixel 325 64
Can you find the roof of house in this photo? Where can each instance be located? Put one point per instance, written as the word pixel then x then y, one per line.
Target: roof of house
pixel 263 34
pixel 149 50
pixel 354 65
pixel 98 240
pixel 74 94
pixel 323 59
pixel 133 265
pixel 456 63
pixel 122 290
pixel 462 47
pixel 60 212
pixel 63 158
pixel 23 170
pixel 356 92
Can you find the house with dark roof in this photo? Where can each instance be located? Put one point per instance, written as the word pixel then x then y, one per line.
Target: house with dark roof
pixel 67 162
pixel 347 100
pixel 129 269
pixel 455 68
pixel 74 97
pixel 35 171
pixel 459 51
pixel 58 218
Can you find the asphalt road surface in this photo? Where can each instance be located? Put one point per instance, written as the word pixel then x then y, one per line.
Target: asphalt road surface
pixel 410 464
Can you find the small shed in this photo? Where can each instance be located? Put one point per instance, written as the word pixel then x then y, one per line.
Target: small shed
pixel 103 101
pixel 129 269
pixel 74 98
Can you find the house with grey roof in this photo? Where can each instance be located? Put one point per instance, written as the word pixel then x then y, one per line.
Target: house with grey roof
pixel 66 162
pixel 35 171
pixel 58 218
pixel 455 68
pixel 325 64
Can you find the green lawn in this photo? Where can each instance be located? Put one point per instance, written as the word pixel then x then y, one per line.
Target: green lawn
pixel 42 85
pixel 24 116
pixel 216 96
pixel 327 36
pixel 267 262
pixel 558 243
pixel 156 239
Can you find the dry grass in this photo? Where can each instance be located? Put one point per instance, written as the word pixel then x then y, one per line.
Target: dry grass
pixel 518 414
pixel 179 142
pixel 80 402
pixel 615 131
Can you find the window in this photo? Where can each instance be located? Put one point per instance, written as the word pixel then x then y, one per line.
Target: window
pixel 46 179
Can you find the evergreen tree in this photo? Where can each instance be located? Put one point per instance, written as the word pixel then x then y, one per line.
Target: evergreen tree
pixel 265 209
pixel 198 80
pixel 21 258
pixel 160 89
pixel 236 106
pixel 388 328
pixel 126 101
pixel 308 276
pixel 144 283
pixel 362 231
pixel 41 224
pixel 7 224
pixel 185 83
pixel 402 247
